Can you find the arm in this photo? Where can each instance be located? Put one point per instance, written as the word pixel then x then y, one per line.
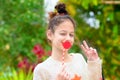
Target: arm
pixel 94 69
pixel 94 62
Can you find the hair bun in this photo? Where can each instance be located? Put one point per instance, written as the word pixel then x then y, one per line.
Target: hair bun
pixel 61 8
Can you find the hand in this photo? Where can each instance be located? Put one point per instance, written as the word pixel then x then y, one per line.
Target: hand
pixel 63 75
pixel 90 52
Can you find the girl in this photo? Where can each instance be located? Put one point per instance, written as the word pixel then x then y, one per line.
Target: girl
pixel 62 65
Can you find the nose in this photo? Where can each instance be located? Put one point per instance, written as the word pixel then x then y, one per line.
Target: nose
pixel 68 37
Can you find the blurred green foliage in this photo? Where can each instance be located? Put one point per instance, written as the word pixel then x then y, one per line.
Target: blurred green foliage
pixel 23 25
pixel 12 74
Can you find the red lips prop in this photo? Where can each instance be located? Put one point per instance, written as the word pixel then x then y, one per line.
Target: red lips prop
pixel 66 44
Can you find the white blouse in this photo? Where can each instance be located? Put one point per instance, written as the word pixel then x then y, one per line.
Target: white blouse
pixel 49 69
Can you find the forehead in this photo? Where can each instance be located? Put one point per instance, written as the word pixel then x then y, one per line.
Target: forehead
pixel 66 25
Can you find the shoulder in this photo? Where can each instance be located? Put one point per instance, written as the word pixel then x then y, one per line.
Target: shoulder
pixel 79 57
pixel 42 66
pixel 40 72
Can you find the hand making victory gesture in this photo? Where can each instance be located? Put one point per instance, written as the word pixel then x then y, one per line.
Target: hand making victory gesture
pixel 89 52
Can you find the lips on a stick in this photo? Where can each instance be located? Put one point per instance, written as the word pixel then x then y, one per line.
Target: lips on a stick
pixel 66 45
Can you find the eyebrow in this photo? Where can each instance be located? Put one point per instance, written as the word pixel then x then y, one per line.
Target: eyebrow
pixel 65 31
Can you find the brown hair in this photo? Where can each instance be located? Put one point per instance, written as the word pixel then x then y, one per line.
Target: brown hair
pixel 58 17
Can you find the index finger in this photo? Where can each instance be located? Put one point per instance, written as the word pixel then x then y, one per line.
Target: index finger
pixel 85 45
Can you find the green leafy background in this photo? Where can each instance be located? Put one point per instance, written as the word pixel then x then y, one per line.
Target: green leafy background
pixel 23 25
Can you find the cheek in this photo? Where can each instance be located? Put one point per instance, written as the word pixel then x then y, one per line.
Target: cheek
pixel 72 41
pixel 58 41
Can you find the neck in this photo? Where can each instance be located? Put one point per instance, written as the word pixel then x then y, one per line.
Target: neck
pixel 58 54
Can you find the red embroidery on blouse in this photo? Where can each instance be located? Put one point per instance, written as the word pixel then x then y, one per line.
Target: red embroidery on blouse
pixel 76 77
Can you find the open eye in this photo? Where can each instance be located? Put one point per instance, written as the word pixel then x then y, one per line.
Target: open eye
pixel 71 35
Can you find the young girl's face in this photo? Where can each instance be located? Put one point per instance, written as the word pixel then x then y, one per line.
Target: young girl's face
pixel 63 32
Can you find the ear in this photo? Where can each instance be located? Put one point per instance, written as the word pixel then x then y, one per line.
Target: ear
pixel 49 34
